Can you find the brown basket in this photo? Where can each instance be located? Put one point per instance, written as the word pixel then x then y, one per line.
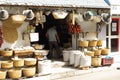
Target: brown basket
pixel 83 43
pixel 18 62
pixel 14 73
pixel 6 53
pixel 105 51
pixel 92 43
pixel 97 52
pixel 89 53
pixel 99 42
pixel 6 64
pixel 29 72
pixel 30 61
pixel 2 74
pixel 96 62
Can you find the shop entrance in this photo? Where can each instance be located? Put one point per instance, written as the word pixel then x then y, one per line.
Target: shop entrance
pixel 115 35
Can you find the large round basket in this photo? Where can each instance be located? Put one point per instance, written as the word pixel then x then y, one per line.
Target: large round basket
pixel 6 64
pixel 92 43
pixel 105 51
pixel 83 43
pixel 18 62
pixel 6 53
pixel 96 62
pixel 99 42
pixel 97 52
pixel 30 61
pixel 2 74
pixel 29 72
pixel 14 73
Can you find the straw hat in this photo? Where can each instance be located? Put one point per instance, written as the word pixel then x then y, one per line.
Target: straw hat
pixel 106 18
pixel 29 14
pixel 4 14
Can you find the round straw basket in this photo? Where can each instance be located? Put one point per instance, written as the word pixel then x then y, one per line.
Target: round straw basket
pixel 105 51
pixel 6 53
pixel 96 61
pixel 18 62
pixel 92 43
pixel 2 74
pixel 99 43
pixel 6 64
pixel 83 43
pixel 29 72
pixel 89 53
pixel 30 61
pixel 97 52
pixel 14 73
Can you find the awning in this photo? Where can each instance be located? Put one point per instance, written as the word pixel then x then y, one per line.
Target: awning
pixel 56 3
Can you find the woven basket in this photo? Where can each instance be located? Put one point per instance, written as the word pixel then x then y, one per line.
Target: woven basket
pixel 2 74
pixel 14 73
pixel 97 52
pixel 6 64
pixel 96 61
pixel 92 43
pixel 6 53
pixel 30 61
pixel 105 51
pixel 83 43
pixel 89 53
pixel 99 42
pixel 18 62
pixel 29 72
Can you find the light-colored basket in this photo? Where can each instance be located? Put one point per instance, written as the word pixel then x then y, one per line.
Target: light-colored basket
pixel 30 61
pixel 14 73
pixel 18 62
pixel 83 43
pixel 2 74
pixel 6 64
pixel 97 52
pixel 29 72
pixel 6 53
pixel 99 42
pixel 105 51
pixel 92 43
pixel 96 62
pixel 89 53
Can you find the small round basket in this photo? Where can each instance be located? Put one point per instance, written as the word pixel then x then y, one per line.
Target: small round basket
pixel 30 61
pixel 2 74
pixel 83 43
pixel 6 64
pixel 14 73
pixel 99 42
pixel 18 62
pixel 29 72
pixel 89 53
pixel 6 53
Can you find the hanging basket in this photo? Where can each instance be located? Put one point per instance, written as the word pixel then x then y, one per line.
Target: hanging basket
pixel 92 43
pixel 99 42
pixel 83 43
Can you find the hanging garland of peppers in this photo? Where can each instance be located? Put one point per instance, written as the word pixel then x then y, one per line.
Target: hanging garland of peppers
pixel 73 27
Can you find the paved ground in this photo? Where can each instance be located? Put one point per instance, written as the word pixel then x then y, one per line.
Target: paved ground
pixel 112 74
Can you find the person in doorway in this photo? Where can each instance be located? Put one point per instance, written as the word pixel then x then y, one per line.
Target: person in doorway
pixel 54 40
